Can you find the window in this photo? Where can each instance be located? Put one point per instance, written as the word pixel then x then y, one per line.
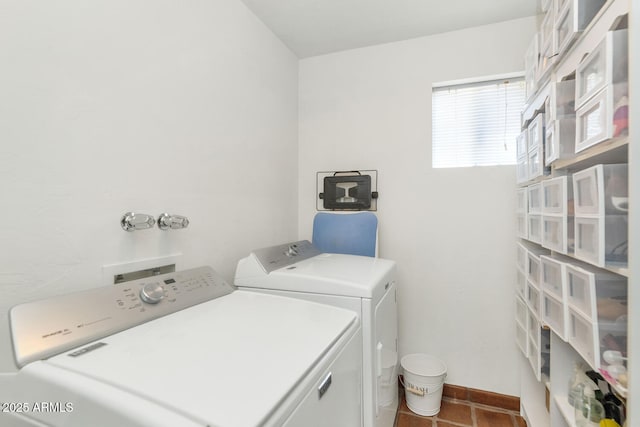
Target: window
pixel 476 124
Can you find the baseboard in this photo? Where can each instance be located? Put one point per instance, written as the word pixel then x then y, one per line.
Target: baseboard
pixel 504 401
pixel 489 398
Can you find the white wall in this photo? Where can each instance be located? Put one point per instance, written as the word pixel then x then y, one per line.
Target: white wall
pixel 145 105
pixel 451 231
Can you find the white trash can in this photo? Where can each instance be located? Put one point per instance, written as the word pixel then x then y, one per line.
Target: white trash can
pixel 423 381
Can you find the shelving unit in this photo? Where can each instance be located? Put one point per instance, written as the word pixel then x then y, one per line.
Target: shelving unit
pixel 615 150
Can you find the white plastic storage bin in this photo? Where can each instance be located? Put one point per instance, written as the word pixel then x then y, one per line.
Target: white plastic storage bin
pixel 553 278
pixel 596 293
pixel 557 195
pixel 603 117
pixel 572 17
pixel 602 241
pixel 534 228
pixel 558 233
pixel 555 314
pixel 606 65
pixel 601 189
pixel 592 339
pixel 559 142
pixel 534 198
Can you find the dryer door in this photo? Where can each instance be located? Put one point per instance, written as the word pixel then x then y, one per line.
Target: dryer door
pixel 386 354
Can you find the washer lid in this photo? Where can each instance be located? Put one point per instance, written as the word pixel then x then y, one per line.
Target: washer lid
pixel 331 274
pixel 225 362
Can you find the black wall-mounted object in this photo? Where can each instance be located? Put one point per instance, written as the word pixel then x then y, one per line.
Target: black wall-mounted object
pixel 347 191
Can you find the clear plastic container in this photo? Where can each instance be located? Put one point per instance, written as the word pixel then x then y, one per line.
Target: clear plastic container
pixel 589 411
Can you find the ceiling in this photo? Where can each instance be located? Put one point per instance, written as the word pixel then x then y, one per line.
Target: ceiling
pixel 316 27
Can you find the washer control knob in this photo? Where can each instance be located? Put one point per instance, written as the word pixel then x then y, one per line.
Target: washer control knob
pixel 292 251
pixel 152 293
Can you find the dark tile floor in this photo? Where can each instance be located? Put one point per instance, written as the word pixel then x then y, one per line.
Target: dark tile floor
pixel 460 413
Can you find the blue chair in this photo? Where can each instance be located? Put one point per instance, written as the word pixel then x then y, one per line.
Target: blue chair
pixel 346 233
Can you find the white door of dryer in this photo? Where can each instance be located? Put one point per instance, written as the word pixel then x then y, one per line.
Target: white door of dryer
pixel 386 356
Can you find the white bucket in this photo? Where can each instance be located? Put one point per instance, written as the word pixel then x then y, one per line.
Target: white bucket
pixel 423 380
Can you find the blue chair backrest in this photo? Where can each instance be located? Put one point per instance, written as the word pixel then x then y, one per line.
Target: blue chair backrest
pixel 353 233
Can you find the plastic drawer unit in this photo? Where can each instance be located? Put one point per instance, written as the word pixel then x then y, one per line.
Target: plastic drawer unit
pixel 572 17
pixel 601 190
pixel 521 257
pixel 559 142
pixel 535 141
pixel 561 102
pixel 534 217
pixel 521 213
pixel 592 338
pixel 522 204
pixel 605 65
pixel 554 305
pixel 603 117
pixel 521 283
pixel 534 198
pixel 553 277
pixel 533 292
pixel 534 296
pixel 522 165
pixel 601 214
pixel 557 219
pixel 547 44
pixel 534 227
pixel 560 124
pixel 558 233
pixel 602 241
pixel 522 318
pixel 602 92
pixel 521 225
pixel 531 67
pixel 596 293
pixel 557 196
pixel 539 340
pixel 555 314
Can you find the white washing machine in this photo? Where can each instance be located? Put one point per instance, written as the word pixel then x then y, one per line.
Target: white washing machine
pixel 363 284
pixel 182 349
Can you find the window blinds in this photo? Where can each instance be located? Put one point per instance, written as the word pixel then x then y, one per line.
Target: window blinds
pixel 476 124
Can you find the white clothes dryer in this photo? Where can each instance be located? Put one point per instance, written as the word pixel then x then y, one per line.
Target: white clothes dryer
pixel 182 349
pixel 363 284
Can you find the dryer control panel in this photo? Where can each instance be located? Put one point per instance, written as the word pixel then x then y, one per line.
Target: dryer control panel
pixel 44 328
pixel 275 257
